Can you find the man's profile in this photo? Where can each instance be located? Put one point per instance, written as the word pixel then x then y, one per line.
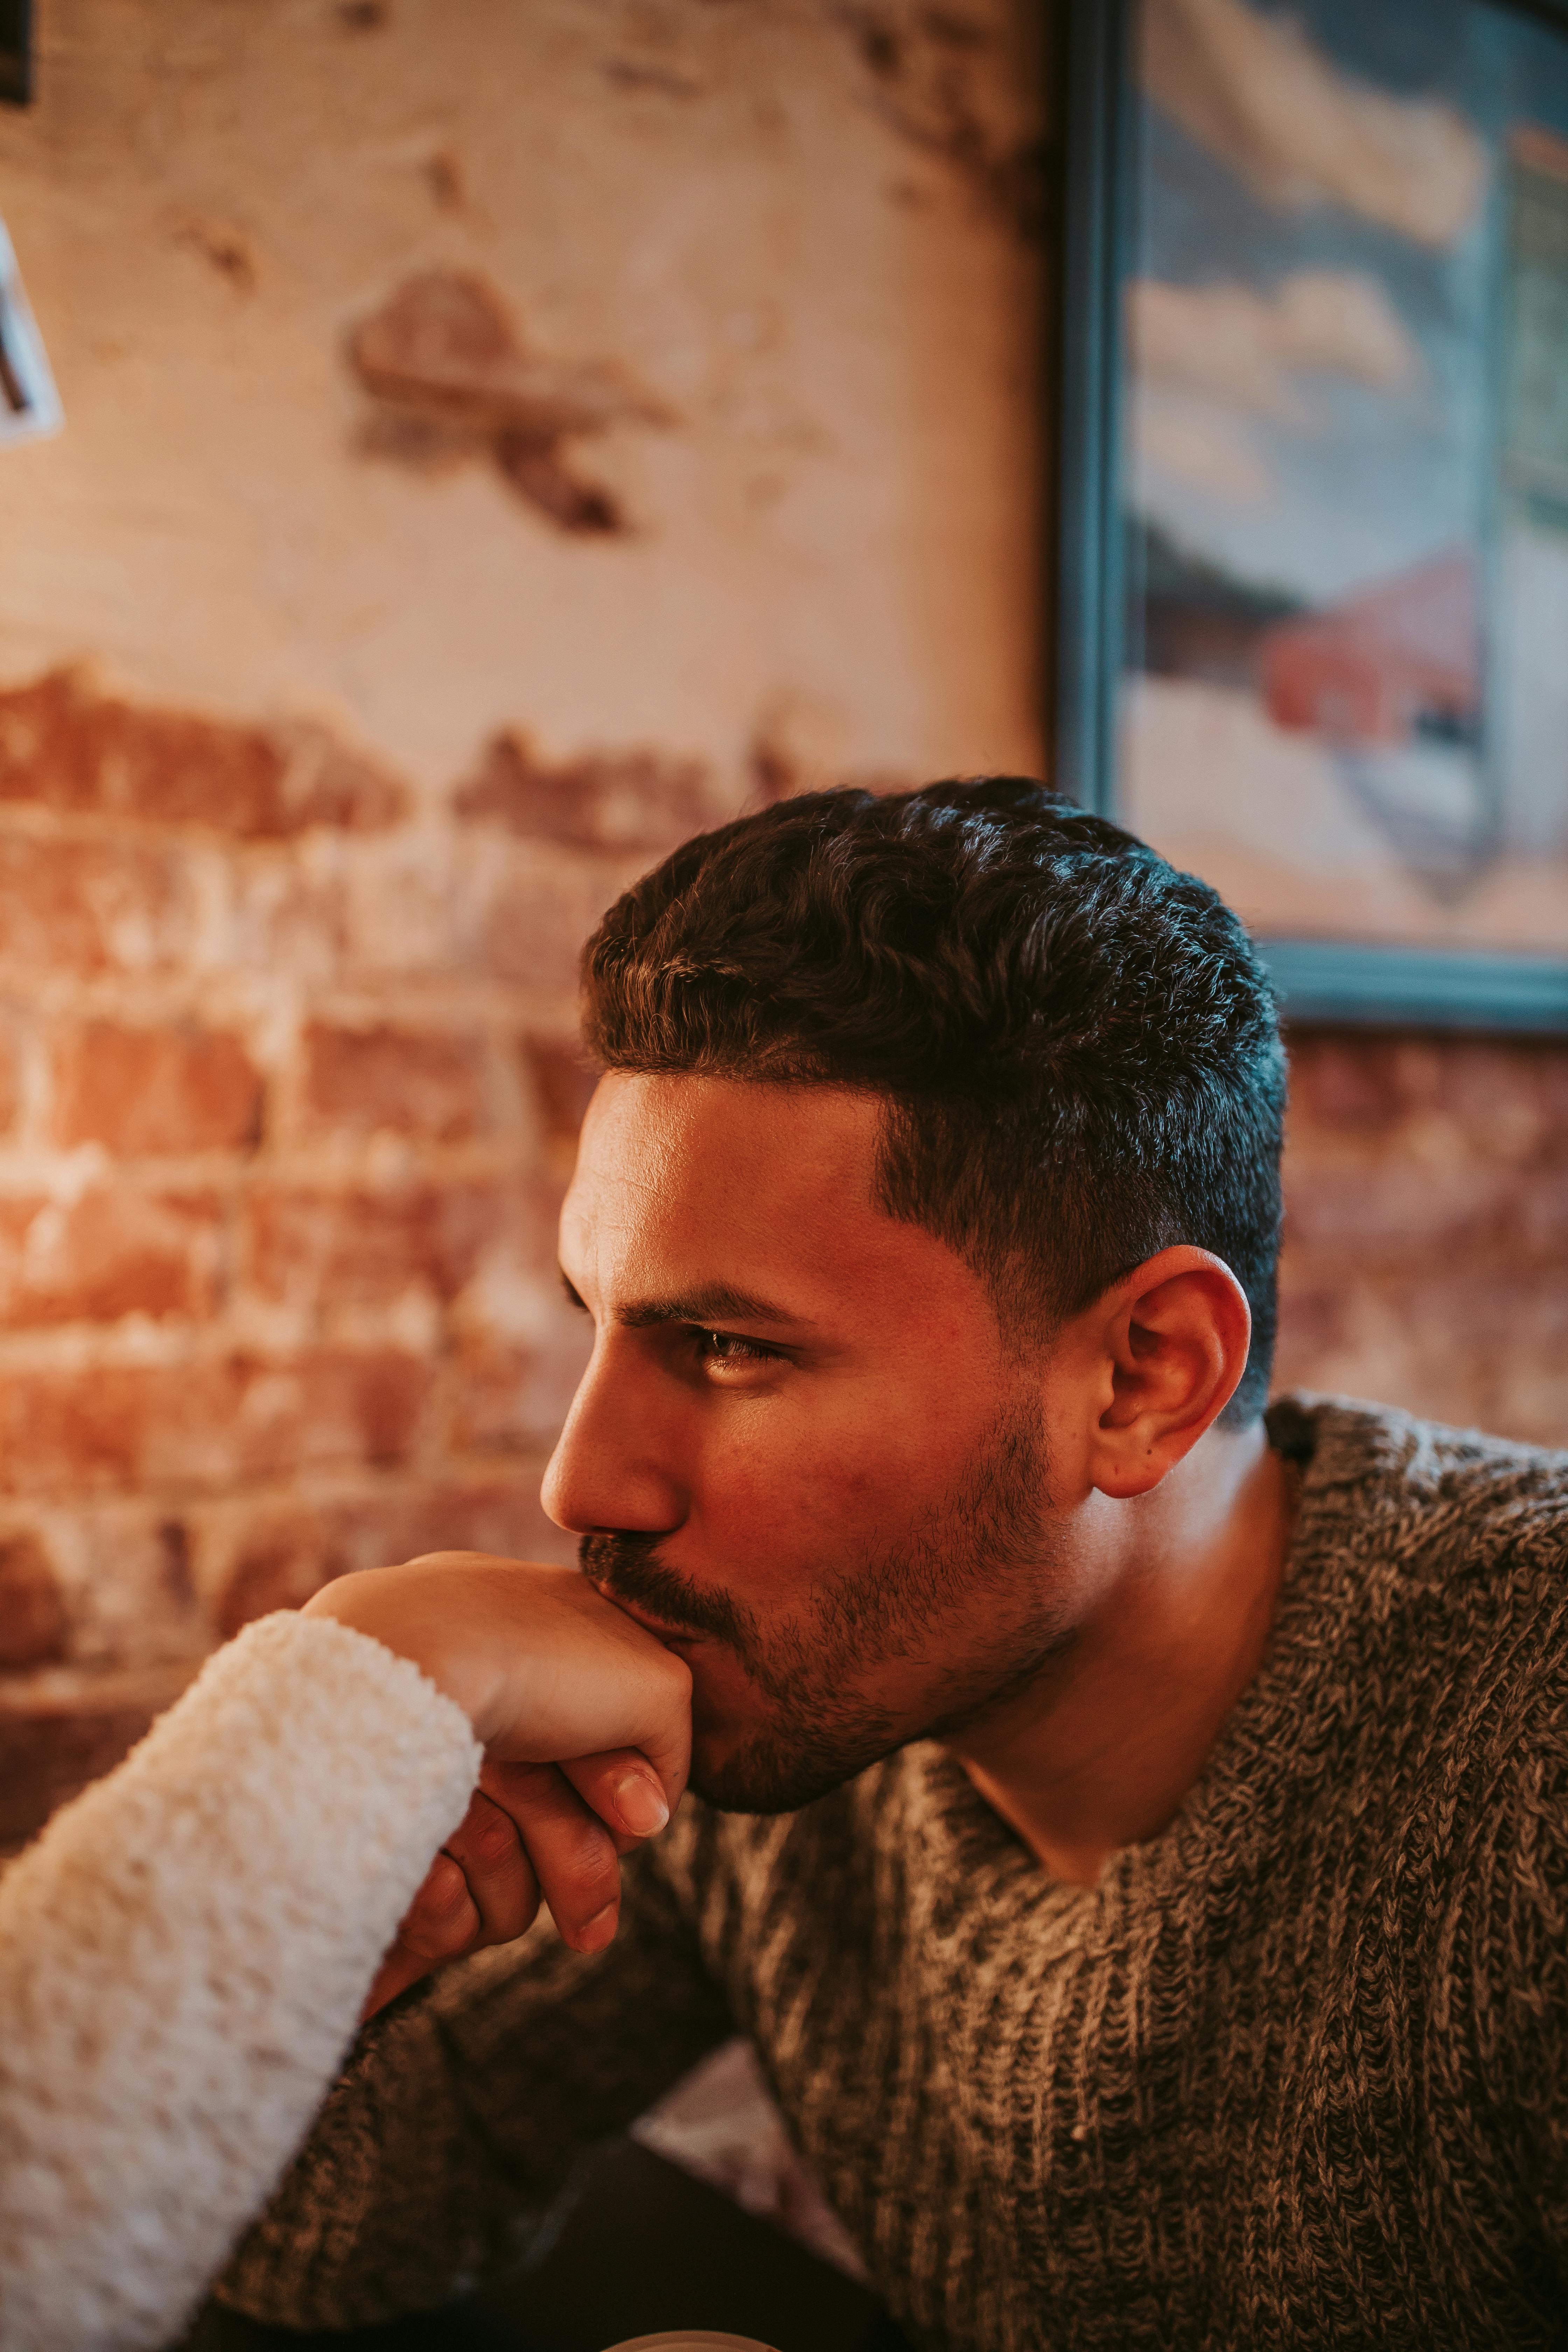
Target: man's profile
pixel 1132 1831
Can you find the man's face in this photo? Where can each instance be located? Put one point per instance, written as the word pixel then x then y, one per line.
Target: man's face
pixel 801 1452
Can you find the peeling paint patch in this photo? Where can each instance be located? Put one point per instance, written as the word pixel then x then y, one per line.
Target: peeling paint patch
pixel 605 800
pixel 451 380
pixel 445 179
pixel 225 248
pixel 67 747
pixel 934 77
pixel 636 73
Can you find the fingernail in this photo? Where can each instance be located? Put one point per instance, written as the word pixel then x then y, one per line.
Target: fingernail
pixel 598 1931
pixel 640 1804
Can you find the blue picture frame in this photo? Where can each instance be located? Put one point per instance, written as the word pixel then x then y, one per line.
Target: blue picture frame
pixel 1355 981
pixel 16 52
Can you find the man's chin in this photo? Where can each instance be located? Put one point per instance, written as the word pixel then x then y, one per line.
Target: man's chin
pixel 767 1772
pixel 763 1745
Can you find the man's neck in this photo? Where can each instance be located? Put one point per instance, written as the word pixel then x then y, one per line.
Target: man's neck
pixel 1100 1753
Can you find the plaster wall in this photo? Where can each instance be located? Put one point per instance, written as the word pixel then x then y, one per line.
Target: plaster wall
pixel 727 202
pixel 499 439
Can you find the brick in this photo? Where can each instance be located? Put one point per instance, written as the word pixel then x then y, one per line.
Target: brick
pixel 1551 1073
pixel 115 1251
pixel 10 1076
pixel 354 1248
pixel 1541 1217
pixel 507 1517
pixel 508 1399
pixel 51 1748
pixel 86 907
pixel 64 746
pixel 33 1617
pixel 280 1565
pixel 287 917
pixel 207 1426
pixel 563 1084
pixel 612 800
pixel 536 919
pixel 154 1090
pixel 1484 1348
pixel 1377 1206
pixel 428 1083
pixel 1369 1082
pixel 133 1601
pixel 325 781
pixel 1490 1089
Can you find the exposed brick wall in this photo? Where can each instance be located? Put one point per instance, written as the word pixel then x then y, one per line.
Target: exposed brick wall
pixel 288 1093
pixel 1427 1239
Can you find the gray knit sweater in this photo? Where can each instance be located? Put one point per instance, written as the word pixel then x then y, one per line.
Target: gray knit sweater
pixel 1294 2074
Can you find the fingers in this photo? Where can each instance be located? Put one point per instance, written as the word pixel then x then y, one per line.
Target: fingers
pixel 443 1918
pixel 498 1875
pixel 529 1829
pixel 442 1921
pixel 625 1791
pixel 395 1974
pixel 480 1889
pixel 573 1853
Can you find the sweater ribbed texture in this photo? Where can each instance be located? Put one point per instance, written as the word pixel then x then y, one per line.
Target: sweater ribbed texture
pixel 1294 2074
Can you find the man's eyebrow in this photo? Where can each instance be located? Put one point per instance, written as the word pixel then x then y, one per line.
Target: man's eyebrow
pixel 711 1304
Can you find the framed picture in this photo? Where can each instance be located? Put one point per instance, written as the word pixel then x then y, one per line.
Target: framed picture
pixel 16 52
pixel 1311 504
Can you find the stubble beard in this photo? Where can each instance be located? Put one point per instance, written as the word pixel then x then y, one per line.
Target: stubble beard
pixel 968 1594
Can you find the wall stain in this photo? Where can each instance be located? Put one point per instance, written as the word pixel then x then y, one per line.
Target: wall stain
pixel 934 78
pixel 450 380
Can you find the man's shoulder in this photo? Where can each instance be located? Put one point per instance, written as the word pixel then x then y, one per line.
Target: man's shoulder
pixel 1445 1549
pixel 1382 1481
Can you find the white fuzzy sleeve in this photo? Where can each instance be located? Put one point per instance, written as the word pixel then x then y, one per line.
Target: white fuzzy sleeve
pixel 183 1957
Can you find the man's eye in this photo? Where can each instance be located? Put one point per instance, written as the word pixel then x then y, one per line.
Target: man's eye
pixel 724 1347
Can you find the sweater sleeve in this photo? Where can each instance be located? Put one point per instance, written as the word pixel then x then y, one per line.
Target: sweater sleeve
pixel 184 1954
pixel 467 2101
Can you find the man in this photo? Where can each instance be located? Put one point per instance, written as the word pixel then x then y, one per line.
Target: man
pixel 1134 1834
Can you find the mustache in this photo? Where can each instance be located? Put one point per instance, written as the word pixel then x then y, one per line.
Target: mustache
pixel 628 1568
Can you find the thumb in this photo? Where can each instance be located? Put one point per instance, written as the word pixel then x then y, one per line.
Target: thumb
pixel 625 1791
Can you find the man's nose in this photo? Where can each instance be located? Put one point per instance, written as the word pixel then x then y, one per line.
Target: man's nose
pixel 614 1465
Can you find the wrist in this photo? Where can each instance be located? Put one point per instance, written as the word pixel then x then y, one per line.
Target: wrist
pixel 396 1612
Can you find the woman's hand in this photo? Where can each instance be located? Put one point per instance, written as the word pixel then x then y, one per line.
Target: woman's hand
pixel 587 1721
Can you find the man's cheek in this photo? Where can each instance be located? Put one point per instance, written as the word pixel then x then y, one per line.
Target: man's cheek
pixel 725 1703
pixel 806 1485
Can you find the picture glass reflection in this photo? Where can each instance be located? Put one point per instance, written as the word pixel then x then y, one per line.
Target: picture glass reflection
pixel 1346 466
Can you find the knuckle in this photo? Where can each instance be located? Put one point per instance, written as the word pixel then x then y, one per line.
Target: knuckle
pixel 432 1939
pixel 590 1860
pixel 493 1840
pixel 511 1784
pixel 424 1943
pixel 444 1895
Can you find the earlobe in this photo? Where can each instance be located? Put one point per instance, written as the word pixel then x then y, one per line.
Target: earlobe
pixel 1173 1339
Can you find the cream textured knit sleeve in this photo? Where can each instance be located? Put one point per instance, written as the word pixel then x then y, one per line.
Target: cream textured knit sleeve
pixel 182 1957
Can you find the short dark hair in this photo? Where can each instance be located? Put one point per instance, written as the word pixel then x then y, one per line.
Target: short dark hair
pixel 1078 1048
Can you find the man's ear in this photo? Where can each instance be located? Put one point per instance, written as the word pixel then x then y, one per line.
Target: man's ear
pixel 1167 1347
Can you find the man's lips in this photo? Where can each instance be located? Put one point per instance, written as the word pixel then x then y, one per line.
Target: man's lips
pixel 665 1634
